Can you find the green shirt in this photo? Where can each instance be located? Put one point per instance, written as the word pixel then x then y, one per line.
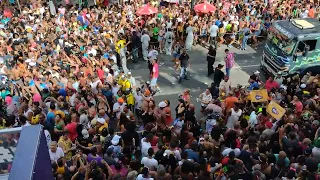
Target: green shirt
pixel 4 93
pixel 155 32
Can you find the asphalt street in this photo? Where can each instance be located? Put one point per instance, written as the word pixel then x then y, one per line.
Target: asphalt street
pixel 246 62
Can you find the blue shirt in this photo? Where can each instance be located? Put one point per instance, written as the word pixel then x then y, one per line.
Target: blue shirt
pixel 193 155
pixel 50 120
pixel 253 85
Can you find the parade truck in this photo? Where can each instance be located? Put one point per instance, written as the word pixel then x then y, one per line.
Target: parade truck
pixel 292 46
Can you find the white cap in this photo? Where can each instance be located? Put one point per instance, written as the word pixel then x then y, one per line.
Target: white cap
pixel 256 72
pixel 303 86
pixel 129 73
pixel 101 120
pixel 115 140
pixel 85 133
pixel 162 104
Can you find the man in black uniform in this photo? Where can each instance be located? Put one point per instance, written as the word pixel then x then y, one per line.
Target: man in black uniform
pixel 218 75
pixel 184 64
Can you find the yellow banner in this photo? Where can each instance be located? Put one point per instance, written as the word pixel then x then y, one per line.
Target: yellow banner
pixel 275 110
pixel 259 95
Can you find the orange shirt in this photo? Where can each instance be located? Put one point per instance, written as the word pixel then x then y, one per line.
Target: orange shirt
pixel 311 13
pixel 230 102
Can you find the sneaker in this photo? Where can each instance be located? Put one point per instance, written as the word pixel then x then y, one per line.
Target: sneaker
pixel 186 78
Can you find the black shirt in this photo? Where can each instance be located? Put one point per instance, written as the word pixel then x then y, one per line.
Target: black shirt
pixel 135 41
pixel 184 59
pixel 218 76
pixel 127 138
pixel 246 176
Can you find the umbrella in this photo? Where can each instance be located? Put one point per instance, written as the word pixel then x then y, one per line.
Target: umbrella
pixel 146 10
pixel 204 8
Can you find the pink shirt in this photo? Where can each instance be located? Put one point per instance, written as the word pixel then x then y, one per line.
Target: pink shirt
pixel 155 70
pixel 229 59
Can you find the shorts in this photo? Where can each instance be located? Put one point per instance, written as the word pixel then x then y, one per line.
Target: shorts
pixel 176 55
pixel 257 33
pixel 160 38
pixel 153 81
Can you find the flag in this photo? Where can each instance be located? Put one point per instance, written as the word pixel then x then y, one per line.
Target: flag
pixel 259 95
pixel 275 110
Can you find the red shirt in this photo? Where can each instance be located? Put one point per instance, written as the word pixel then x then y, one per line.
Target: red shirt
pixel 299 107
pixel 72 130
pixel 271 84
pixel 100 73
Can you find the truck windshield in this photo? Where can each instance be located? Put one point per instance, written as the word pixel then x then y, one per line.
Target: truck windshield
pixel 281 41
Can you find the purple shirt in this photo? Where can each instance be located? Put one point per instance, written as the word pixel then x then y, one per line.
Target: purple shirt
pixel 97 158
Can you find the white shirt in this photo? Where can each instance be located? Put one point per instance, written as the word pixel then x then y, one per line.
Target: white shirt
pixel 145 147
pixel 176 153
pixel 253 119
pixel 115 90
pixel 206 97
pixel 169 24
pixel 152 164
pixel 236 151
pixel 233 118
pixel 93 52
pixel 169 36
pixel 48 137
pixel 225 23
pixel 213 30
pixel 94 86
pixel 140 177
pixel 225 85
pixel 119 107
pixel 2 70
pixel 145 39
pixel 54 156
pixel 132 81
pixel 138 101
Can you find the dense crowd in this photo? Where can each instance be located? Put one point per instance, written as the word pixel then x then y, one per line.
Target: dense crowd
pixel 64 67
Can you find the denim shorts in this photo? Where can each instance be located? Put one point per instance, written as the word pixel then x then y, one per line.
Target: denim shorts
pixel 176 55
pixel 153 81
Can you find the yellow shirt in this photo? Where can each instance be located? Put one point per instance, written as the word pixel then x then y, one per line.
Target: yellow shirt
pixel 125 84
pixel 67 144
pixel 130 99
pixel 120 44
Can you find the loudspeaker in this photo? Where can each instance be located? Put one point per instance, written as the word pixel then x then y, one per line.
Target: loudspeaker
pixel 31 158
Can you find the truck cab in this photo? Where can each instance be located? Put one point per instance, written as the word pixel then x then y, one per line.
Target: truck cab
pixel 292 46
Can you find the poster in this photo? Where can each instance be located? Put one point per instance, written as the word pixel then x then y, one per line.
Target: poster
pixel 259 95
pixel 275 110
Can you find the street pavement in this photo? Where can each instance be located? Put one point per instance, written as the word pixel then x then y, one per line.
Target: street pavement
pixel 246 62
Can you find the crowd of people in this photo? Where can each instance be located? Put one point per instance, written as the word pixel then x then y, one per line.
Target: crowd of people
pixel 65 67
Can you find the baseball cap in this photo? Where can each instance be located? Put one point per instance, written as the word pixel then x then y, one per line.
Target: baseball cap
pixel 101 120
pixel 115 140
pixel 162 104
